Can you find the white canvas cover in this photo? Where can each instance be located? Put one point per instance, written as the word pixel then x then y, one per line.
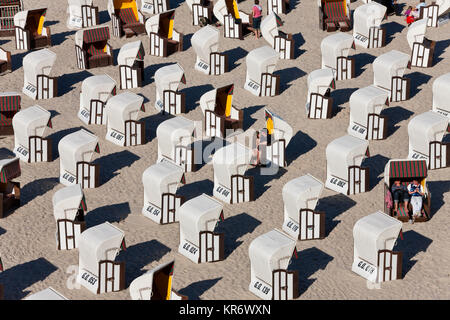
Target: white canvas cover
pixel 367 16
pixel 269 28
pixel 28 122
pixel 198 214
pixel 423 129
pixel 281 129
pixel 220 10
pixel 36 63
pixel 75 14
pixel 167 78
pixel 260 60
pixel 120 108
pixel 388 65
pixel 301 193
pixel 96 87
pixel 416 32
pixel 377 231
pixel 444 5
pixel 128 53
pixel 230 160
pixel 162 177
pixel 344 152
pixel 319 81
pixel 46 294
pixel 66 202
pixel 441 94
pixel 76 147
pixel 205 41
pixel 173 132
pixel 333 46
pixel 268 252
pixel 101 242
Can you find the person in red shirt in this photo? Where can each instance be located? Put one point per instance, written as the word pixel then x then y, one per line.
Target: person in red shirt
pixel 257 15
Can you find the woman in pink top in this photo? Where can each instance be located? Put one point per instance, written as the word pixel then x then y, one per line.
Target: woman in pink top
pixel 257 15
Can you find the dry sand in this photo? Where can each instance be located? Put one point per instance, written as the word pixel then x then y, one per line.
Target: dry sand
pixel 27 237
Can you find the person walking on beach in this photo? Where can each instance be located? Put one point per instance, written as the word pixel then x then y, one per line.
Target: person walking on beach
pixel 257 15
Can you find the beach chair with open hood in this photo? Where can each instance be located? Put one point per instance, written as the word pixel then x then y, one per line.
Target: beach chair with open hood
pixel 164 39
pixel 236 24
pixel 367 30
pixel 334 14
pixel 206 45
pixel 260 80
pixel 168 98
pixel 8 9
pixel 319 104
pixel 9 189
pixel 37 82
pixel 30 31
pixel 82 14
pixel 126 19
pixel 92 48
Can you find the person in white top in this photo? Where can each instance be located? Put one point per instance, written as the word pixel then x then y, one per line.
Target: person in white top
pixel 416 193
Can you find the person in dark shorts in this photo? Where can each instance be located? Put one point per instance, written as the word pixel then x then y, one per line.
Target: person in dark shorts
pixel 257 16
pixel 399 192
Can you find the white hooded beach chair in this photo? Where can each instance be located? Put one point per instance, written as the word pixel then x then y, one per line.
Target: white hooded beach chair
pixel 388 71
pixel 92 48
pixel 220 114
pixel 235 23
pixel 426 132
pixel 270 255
pixel 319 104
pixel 75 154
pixel 175 142
pixel 367 30
pixel 366 121
pixel 9 106
pixel 422 49
pixel 82 14
pixel 278 6
pixel 198 219
pixel 131 65
pixel 5 61
pixel 37 83
pixel 95 92
pixel 123 127
pixel 200 9
pixel 8 9
pixel 156 284
pixel 335 49
pixel 69 207
pixel 280 41
pixel 161 203
pixel 126 19
pixel 206 45
pixel 46 294
pixel 29 142
pixel 374 238
pixel 437 13
pixel 164 39
pixel 279 136
pixel 230 183
pixel 168 98
pixel 98 270
pixel 344 171
pixel 300 197
pixel 9 189
pixel 260 80
pixel 154 6
pixel 29 29
pixel 441 95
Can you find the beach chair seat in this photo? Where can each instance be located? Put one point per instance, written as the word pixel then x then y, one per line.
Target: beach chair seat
pixel 9 106
pixel 334 14
pixel 8 8
pixel 29 29
pixel 9 189
pixel 92 48
pixel 441 95
pixel 126 19
pixel 260 79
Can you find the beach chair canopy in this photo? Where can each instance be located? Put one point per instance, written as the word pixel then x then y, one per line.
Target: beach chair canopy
pixel 198 214
pixel 32 20
pixel 301 193
pixel 220 101
pixel 444 5
pixel 367 16
pixel 96 88
pixel 205 41
pixel 101 242
pixel 169 78
pixel 173 132
pixel 425 128
pixel 404 168
pixel 67 201
pixel 9 169
pixel 86 38
pixel 46 294
pixel 269 27
pixel 277 127
pixel 416 32
pixel 259 61
pixel 9 102
pixel 224 7
pixel 388 65
pixel 319 81
pixel 130 52
pixel 28 122
pixel 268 252
pixel 230 160
pixel 441 93
pixel 125 106
pixel 333 46
pixel 366 100
pixel 162 177
pixel 377 231
pixel 161 23
pixel 344 152
pixel 126 10
pixel 37 62
pixel 76 147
